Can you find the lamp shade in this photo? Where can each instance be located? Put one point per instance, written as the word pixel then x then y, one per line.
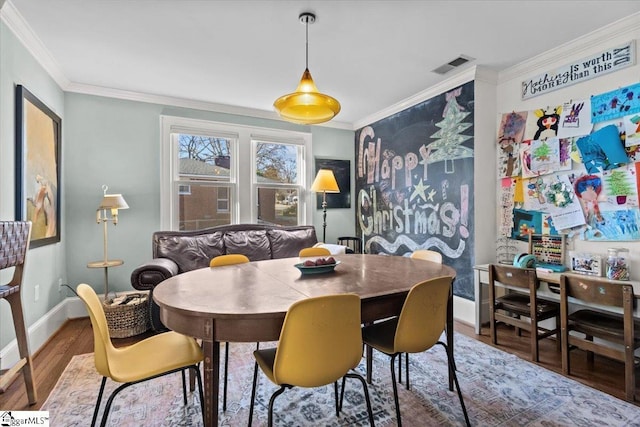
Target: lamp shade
pixel 113 201
pixel 306 105
pixel 325 182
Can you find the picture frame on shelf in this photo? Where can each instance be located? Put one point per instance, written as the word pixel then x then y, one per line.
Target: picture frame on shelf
pixel 37 184
pixel 586 263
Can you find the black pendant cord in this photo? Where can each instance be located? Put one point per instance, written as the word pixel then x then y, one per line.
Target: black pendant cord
pixel 306 25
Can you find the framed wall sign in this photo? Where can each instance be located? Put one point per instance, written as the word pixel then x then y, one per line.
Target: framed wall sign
pixel 342 171
pixel 38 139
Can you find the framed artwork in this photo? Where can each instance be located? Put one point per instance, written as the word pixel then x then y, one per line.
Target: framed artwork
pixel 342 171
pixel 38 139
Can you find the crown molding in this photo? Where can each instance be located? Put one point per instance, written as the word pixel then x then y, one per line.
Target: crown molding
pixel 186 103
pixel 23 32
pixel 452 82
pixel 581 45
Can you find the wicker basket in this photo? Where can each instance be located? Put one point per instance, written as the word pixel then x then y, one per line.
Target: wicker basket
pixel 127 320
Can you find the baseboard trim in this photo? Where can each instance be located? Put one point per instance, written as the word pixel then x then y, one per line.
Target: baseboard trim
pixel 464 310
pixel 43 329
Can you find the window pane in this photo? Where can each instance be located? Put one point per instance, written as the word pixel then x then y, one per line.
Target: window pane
pixel 204 157
pixel 200 208
pixel 223 199
pixel 277 206
pixel 276 163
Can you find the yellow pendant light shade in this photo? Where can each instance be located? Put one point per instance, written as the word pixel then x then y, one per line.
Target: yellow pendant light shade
pixel 306 105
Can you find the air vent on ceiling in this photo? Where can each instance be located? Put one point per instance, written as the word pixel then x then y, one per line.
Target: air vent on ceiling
pixel 444 69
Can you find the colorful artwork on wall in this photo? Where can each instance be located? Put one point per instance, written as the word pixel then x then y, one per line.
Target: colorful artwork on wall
pixel 542 123
pixel 616 103
pixel 510 135
pixel 526 222
pixel 575 119
pixel 602 150
pixel 38 151
pixel 414 182
pixel 579 166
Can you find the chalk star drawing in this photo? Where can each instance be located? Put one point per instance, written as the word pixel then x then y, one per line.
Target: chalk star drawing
pixel 419 189
pixel 432 193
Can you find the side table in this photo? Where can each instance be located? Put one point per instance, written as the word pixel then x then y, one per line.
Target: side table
pixel 105 265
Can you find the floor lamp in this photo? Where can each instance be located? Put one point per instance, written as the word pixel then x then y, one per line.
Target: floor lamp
pixel 109 205
pixel 325 182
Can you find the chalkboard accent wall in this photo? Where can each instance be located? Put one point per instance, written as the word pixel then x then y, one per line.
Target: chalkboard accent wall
pixel 414 182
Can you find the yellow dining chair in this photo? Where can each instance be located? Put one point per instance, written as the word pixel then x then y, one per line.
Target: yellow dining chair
pixel 220 261
pixel 171 352
pixel 417 329
pixel 229 259
pixel 320 342
pixel 319 251
pixel 427 255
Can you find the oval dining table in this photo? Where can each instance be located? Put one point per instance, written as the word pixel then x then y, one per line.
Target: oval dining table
pixel 248 302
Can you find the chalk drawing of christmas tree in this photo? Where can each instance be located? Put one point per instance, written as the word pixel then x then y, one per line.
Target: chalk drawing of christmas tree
pixel 447 145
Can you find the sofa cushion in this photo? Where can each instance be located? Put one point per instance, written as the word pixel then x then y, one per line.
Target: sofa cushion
pixel 189 252
pixel 287 243
pixel 254 244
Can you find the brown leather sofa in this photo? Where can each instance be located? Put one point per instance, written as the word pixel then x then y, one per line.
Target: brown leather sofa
pixel 176 252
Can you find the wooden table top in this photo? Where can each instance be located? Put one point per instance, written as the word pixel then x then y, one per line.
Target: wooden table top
pixel 268 288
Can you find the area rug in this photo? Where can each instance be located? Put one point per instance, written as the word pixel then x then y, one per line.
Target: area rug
pixel 499 389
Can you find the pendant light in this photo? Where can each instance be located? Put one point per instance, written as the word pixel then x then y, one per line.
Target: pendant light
pixel 306 105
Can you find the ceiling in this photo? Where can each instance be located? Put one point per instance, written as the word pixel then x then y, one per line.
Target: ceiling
pixel 367 54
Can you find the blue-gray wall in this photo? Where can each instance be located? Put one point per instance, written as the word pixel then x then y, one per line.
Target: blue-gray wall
pixel 45 264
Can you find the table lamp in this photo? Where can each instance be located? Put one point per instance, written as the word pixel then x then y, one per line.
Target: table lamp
pixel 109 205
pixel 325 182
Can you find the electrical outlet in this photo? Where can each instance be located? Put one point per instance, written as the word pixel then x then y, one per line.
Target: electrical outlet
pixel 37 292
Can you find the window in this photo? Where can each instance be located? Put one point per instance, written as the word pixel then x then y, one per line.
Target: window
pixel 204 167
pixel 216 173
pixel 276 181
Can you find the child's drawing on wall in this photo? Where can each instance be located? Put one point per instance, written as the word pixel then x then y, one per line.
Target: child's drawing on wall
pixel 534 195
pixel 545 156
pixel 508 158
pixel 632 130
pixel 617 225
pixel 588 188
pixel 620 185
pixel 510 135
pixel 566 145
pixel 525 160
pixel 547 123
pixel 575 119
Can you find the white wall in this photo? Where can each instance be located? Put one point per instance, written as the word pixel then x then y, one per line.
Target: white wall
pixel 509 99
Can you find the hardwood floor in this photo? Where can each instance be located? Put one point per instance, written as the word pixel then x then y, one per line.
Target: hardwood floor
pixel 76 337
